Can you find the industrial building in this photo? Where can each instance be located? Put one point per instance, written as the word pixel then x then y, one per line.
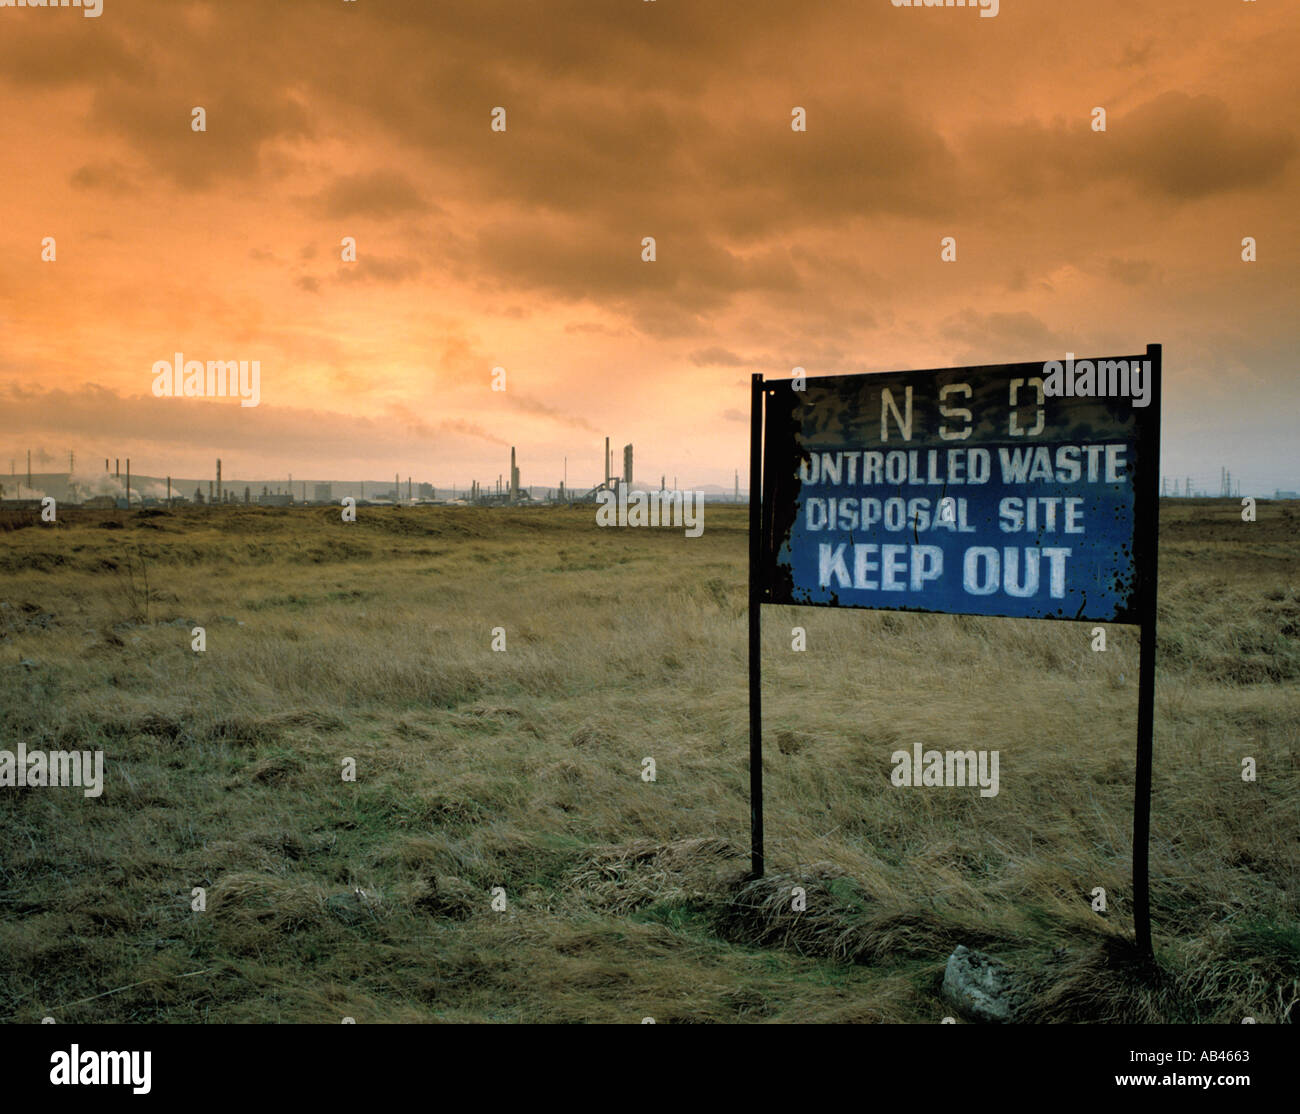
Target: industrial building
pixel 116 488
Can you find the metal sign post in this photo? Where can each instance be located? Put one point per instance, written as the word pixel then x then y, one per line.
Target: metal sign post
pixel 1149 534
pixel 1020 490
pixel 755 625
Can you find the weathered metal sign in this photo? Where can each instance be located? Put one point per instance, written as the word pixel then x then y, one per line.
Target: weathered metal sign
pixel 976 490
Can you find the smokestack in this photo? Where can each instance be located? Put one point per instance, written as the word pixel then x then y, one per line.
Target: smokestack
pixel 169 491
pixel 128 483
pixel 29 473
pixel 607 462
pixel 220 497
pixel 627 465
pixel 106 466
pixel 117 468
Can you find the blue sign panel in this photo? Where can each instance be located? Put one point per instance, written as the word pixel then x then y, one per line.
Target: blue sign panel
pixel 1012 490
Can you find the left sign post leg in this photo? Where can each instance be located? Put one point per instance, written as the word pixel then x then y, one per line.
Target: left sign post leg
pixel 755 625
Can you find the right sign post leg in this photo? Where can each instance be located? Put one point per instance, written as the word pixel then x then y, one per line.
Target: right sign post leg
pixel 1150 527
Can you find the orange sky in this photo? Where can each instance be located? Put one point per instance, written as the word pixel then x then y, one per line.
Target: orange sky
pixel 627 119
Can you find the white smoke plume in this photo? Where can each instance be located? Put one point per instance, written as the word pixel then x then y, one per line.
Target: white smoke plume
pixel 87 484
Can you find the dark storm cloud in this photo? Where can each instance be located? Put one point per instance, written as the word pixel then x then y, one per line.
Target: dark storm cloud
pixel 1173 146
pixel 374 268
pixel 93 411
pixel 1188 147
pixel 1012 335
pixel 110 176
pixel 528 405
pixel 716 357
pixel 378 195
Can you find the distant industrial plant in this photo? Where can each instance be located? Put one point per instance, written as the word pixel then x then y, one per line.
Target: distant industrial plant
pixel 115 487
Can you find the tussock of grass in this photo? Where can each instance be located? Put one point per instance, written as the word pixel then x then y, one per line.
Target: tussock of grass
pixel 251 910
pixel 622 878
pixel 839 920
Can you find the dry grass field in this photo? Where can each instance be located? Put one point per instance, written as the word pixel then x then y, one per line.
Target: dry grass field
pixel 521 769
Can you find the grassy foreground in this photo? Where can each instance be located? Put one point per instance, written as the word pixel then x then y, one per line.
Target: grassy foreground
pixel 522 769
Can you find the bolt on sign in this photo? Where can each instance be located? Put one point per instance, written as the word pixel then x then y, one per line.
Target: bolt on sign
pixel 1019 490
